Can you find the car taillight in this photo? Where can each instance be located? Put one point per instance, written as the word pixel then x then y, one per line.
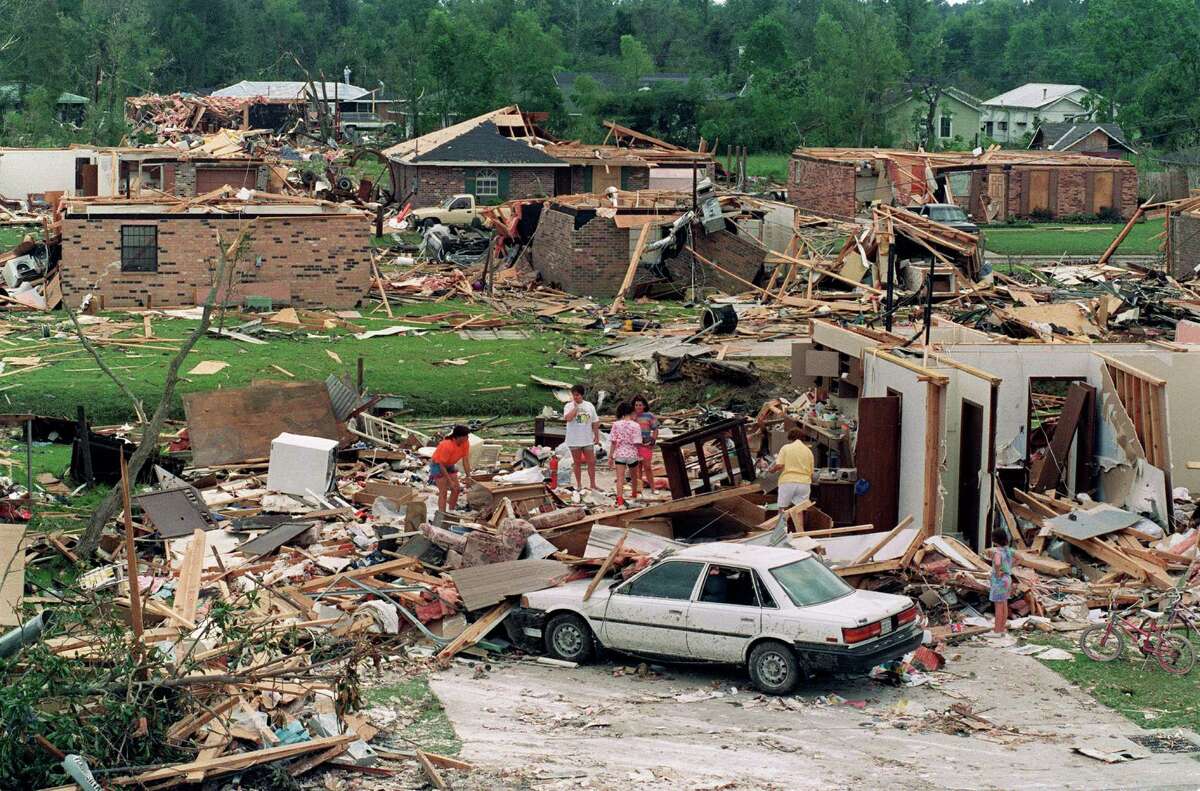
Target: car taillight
pixel 908 616
pixel 860 633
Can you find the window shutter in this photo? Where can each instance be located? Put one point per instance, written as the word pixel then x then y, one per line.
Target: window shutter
pixel 502 179
pixel 625 174
pixel 469 181
pixel 587 179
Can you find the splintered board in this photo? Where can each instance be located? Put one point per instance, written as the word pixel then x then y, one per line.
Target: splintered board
pixel 230 426
pixel 12 573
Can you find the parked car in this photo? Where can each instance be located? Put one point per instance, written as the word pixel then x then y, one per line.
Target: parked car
pixel 780 612
pixel 947 214
pixel 454 210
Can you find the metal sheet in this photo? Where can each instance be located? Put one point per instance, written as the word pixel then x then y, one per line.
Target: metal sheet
pixel 176 512
pixel 273 539
pixel 483 586
pixel 1099 521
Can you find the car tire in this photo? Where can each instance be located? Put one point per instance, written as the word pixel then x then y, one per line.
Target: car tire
pixel 569 638
pixel 774 668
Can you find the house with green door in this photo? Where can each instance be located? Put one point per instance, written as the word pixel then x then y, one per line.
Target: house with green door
pixel 956 121
pixel 505 155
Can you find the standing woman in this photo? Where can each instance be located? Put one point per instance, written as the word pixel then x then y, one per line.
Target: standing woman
pixel 649 425
pixel 443 473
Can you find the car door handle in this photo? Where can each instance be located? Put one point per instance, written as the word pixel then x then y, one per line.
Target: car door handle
pixel 675 612
pixel 747 620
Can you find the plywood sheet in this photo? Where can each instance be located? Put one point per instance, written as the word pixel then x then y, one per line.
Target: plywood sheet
pixel 1098 521
pixel 821 363
pixel 230 426
pixel 483 586
pixel 12 573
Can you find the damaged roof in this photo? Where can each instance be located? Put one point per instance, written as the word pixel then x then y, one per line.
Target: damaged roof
pixel 485 145
pixel 292 90
pixel 951 160
pixel 1061 136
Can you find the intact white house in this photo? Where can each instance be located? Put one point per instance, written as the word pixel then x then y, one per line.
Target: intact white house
pixel 1007 118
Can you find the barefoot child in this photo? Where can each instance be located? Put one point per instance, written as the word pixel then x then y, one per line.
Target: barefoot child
pixel 1001 578
pixel 443 473
pixel 626 438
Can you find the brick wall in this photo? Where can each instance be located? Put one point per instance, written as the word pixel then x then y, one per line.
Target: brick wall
pixel 185 179
pixel 820 186
pixel 727 250
pixel 325 260
pixel 1070 190
pixel 434 184
pixel 593 259
pixel 1184 245
pixel 589 260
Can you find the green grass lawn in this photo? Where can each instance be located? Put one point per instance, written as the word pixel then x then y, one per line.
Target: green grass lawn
pixel 771 166
pixel 429 728
pixel 1135 687
pixel 1053 239
pixel 401 365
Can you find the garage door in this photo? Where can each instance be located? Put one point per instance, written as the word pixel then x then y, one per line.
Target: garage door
pixel 209 179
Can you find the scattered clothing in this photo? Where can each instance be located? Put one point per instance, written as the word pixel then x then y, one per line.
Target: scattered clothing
pixel 580 424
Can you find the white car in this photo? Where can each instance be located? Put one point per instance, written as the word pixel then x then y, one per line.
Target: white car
pixel 778 611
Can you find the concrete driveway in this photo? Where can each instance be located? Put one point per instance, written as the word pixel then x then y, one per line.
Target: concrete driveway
pixel 531 726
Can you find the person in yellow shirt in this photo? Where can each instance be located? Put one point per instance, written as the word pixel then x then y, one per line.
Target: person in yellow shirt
pixel 794 463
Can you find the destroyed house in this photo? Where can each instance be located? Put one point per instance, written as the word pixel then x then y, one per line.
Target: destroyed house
pixel 85 171
pixel 994 186
pixel 163 253
pixel 584 244
pixel 940 433
pixel 503 155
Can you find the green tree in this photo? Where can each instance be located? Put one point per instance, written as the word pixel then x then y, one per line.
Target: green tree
pixel 635 61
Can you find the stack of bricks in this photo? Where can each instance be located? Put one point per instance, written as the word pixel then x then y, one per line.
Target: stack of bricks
pixel 324 261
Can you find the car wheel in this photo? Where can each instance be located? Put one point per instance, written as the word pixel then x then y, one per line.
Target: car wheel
pixel 569 638
pixel 773 668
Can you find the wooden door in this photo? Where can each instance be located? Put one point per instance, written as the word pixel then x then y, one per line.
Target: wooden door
pixel 970 459
pixel 1039 190
pixel 605 177
pixel 1102 191
pixel 877 457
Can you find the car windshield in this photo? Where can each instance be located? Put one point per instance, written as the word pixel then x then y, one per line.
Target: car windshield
pixel 446 203
pixel 947 214
pixel 809 582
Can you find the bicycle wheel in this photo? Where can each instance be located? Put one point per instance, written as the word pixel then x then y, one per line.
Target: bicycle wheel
pixel 1174 654
pixel 1102 644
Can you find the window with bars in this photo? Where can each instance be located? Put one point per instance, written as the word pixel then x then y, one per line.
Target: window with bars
pixel 139 248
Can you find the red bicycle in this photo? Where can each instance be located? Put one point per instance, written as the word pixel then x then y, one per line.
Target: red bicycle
pixel 1105 642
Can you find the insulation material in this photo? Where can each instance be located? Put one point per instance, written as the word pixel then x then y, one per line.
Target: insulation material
pixel 841 550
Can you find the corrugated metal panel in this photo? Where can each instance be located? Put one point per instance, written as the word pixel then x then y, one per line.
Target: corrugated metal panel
pixel 483 586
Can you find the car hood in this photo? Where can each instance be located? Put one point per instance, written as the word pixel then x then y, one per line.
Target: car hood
pixel 860 607
pixel 571 593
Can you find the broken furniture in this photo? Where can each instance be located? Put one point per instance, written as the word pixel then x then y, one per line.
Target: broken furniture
pixel 726 437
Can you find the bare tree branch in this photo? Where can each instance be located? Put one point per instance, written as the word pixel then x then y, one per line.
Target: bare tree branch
pixel 138 407
pixel 149 441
